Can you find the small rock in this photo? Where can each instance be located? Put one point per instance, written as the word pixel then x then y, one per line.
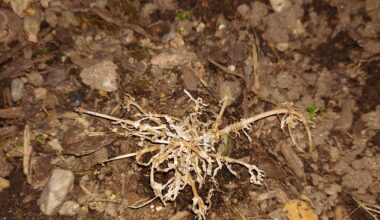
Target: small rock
pixel 247 70
pixel 97 157
pixel 293 160
pixel 367 163
pixel 60 184
pixel 333 189
pixel 279 5
pixel 55 78
pixel 180 215
pixel 102 76
pixel 32 26
pixel 110 209
pixel 35 78
pixel 200 27
pixel 189 78
pixel 69 208
pixel 168 37
pixel 334 154
pixel 28 53
pixel 228 89
pixel 346 116
pixel 237 51
pixel 28 198
pixel 359 179
pixel 282 46
pixel 174 58
pixel 40 94
pixel 17 87
pixel 51 18
pixel 342 167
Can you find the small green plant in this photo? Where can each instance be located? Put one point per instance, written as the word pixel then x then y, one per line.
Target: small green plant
pixel 178 31
pixel 40 139
pixel 312 111
pixel 183 15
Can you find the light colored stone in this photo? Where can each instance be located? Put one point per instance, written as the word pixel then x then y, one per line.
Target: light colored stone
pixel 333 189
pixel 69 208
pixel 279 5
pixel 173 58
pixel 101 76
pixel 17 88
pixel 359 180
pixel 32 26
pixel 35 78
pixel 346 115
pixel 60 184
pixel 40 94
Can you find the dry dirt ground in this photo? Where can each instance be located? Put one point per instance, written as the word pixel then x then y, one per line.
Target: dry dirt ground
pixel 318 57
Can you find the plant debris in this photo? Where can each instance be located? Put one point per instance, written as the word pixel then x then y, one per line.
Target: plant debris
pixel 187 149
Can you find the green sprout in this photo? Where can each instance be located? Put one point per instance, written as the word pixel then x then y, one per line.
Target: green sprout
pixel 312 111
pixel 40 139
pixel 183 15
pixel 178 31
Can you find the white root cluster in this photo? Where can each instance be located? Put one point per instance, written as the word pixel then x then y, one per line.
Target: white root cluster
pixel 186 149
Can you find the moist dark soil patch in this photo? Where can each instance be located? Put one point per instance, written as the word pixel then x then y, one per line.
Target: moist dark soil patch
pixel 11 200
pixel 335 51
pixel 371 91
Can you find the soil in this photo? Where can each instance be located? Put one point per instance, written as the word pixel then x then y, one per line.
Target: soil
pixel 322 56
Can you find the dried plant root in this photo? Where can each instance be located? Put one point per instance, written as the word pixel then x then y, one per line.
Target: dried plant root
pixel 186 149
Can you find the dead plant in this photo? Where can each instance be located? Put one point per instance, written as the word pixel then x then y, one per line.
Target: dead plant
pixel 186 149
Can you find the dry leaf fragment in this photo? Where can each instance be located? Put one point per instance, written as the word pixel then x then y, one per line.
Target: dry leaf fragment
pixel 19 6
pixel 299 210
pixel 4 183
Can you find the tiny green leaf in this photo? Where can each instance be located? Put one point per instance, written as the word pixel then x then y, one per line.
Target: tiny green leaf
pixel 312 110
pixel 40 139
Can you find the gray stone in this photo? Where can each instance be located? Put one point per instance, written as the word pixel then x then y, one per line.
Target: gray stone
pixel 17 87
pixel 101 76
pixel 60 184
pixel 69 208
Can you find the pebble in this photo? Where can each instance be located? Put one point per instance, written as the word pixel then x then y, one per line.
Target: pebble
pixel 168 37
pixel 40 94
pixel 69 208
pixel 17 87
pixel 101 76
pixel 279 5
pixel 174 58
pixel 110 209
pixel 333 189
pixel 228 89
pixel 32 27
pixel 359 179
pixel 346 116
pixel 247 70
pixel 35 78
pixel 60 184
